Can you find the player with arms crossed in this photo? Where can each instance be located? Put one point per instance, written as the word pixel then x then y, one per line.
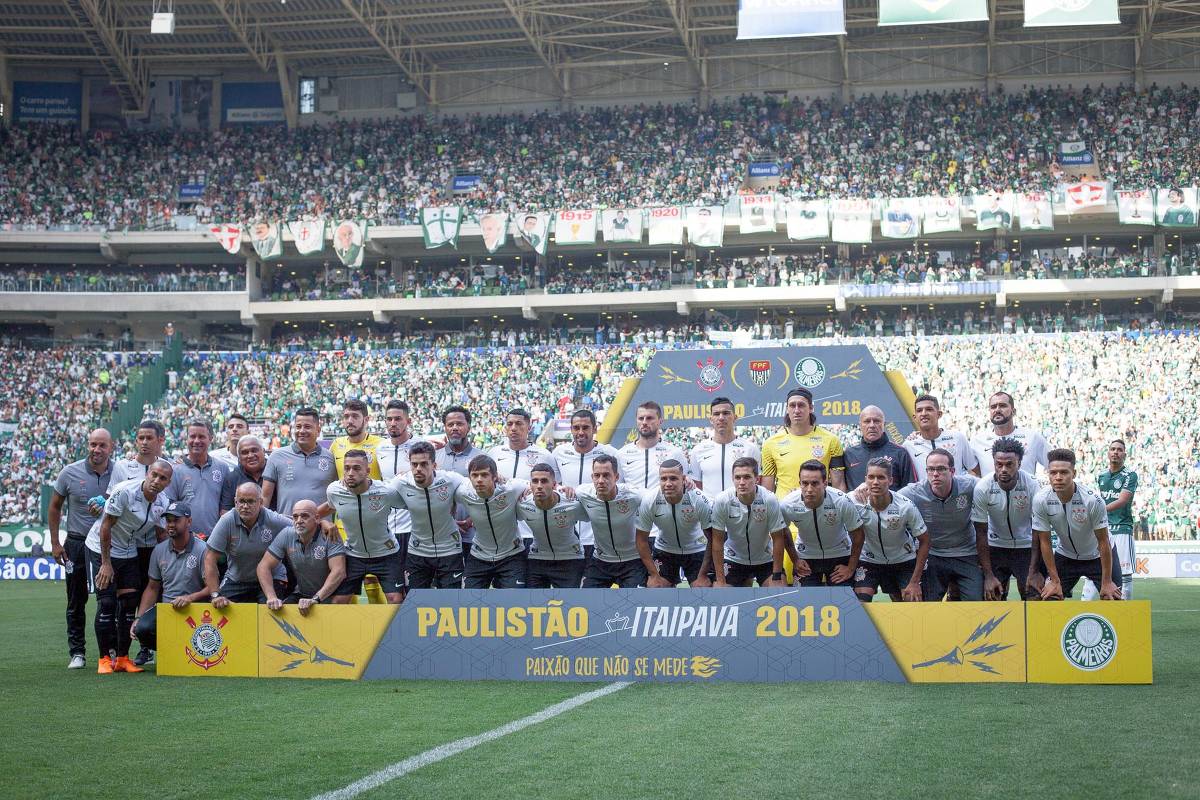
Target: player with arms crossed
pixel 896 542
pixel 613 510
pixel 830 529
pixel 748 531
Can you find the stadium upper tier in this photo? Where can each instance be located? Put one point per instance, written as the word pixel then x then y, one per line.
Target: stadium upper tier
pixel 910 145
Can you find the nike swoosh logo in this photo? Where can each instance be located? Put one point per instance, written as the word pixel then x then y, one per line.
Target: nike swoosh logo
pixel 457 575
pixel 784 452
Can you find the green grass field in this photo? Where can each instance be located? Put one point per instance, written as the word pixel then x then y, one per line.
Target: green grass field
pixel 80 735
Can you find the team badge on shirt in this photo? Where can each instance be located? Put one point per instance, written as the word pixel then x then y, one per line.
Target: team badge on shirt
pixel 1079 514
pixel 622 506
pixel 323 464
pixel 961 502
pixel 758 513
pixel 208 647
pixel 192 562
pixel 319 552
pixel 216 476
pixel 265 535
pixel 831 516
pixel 375 502
pixel 442 492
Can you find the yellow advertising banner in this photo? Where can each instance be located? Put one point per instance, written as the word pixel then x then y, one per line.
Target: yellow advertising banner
pixel 954 642
pixel 331 642
pixel 1098 642
pixel 201 640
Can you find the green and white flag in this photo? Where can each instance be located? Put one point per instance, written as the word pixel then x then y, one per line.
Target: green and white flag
pixel 901 218
pixel 925 12
pixel 441 225
pixel 309 235
pixel 706 226
pixel 757 214
pixel 941 214
pixel 575 227
pixel 1047 13
pixel 533 230
pixel 808 219
pixel 266 240
pixel 349 239
pixel 621 224
pixel 494 229
pixel 1035 211
pixel 1135 207
pixel 1176 208
pixel 664 225
pixel 851 220
pixel 994 211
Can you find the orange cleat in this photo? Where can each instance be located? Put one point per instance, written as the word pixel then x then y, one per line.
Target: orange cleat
pixel 105 667
pixel 125 665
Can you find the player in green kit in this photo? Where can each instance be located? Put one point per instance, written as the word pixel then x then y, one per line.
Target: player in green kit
pixel 1117 485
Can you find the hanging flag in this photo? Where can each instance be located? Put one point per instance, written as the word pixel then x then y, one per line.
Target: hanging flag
pixel 808 219
pixel 1047 13
pixel 622 224
pixel 941 214
pixel 901 218
pixel 575 227
pixel 1135 207
pixel 229 236
pixel 1086 194
pixel 851 220
pixel 767 19
pixel 1035 211
pixel 265 238
pixel 533 231
pixel 757 214
pixel 309 235
pixel 1176 208
pixel 494 229
pixel 706 226
pixel 1074 154
pixel 349 238
pixel 441 226
pixel 925 12
pixel 665 225
pixel 994 211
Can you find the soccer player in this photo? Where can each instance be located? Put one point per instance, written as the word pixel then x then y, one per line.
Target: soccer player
pixel 1117 485
pixel 801 440
pixel 930 436
pixel 1003 514
pixel 516 457
pixel 1078 516
pixel 683 518
pixel 363 506
pixel 1001 410
pixel 355 418
pixel 148 442
pixel 456 457
pixel 711 461
pixel 574 460
pixel 312 551
pixel 301 471
pixel 199 478
pixel 242 536
pixel 747 522
pixel 872 427
pixel 556 558
pixel 236 427
pixel 613 509
pixel 134 507
pixel 435 552
pixel 81 487
pixel 252 462
pixel 641 458
pixel 830 529
pixel 956 552
pixel 176 574
pixel 392 456
pixel 497 557
pixel 896 541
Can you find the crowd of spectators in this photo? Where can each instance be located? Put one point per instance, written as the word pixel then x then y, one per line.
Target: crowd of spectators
pixel 899 145
pixel 47 279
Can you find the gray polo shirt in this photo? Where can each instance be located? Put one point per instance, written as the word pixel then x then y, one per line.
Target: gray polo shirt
pixel 180 572
pixel 299 476
pixel 309 562
pixel 951 532
pixel 244 548
pixel 77 484
pixel 200 487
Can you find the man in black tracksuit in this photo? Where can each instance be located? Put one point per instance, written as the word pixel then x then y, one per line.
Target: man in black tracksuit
pixel 876 444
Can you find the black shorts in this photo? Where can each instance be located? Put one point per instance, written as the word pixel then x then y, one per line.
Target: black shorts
pixel 249 592
pixel 625 574
pixel 507 573
pixel 1070 570
pixel 888 578
pixel 1012 562
pixel 963 571
pixel 143 557
pixel 388 569
pixel 545 574
pixel 444 572
pixel 741 574
pixel 127 576
pixel 670 565
pixel 822 571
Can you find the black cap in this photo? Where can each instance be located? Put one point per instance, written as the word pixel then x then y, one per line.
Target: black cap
pixel 178 509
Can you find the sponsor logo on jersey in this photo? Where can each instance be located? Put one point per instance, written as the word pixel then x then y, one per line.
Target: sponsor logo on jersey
pixel 207 646
pixel 711 378
pixel 1089 642
pixel 809 372
pixel 760 373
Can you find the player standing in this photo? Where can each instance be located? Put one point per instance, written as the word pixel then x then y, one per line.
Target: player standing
pixel 435 550
pixel 574 460
pixel 455 457
pixel 830 529
pixel 613 509
pixel 356 418
pixel 363 506
pixel 683 518
pixel 1003 512
pixel 556 558
pixel 641 458
pixel 748 531
pixel 1001 410
pixel 1117 485
pixel 236 427
pixel 801 440
pixel 710 463
pixel 930 436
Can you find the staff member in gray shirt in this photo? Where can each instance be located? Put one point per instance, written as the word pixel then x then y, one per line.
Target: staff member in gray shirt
pixel 252 461
pixel 302 470
pixel 242 536
pixel 198 478
pixel 313 551
pixel 81 486
pixel 175 574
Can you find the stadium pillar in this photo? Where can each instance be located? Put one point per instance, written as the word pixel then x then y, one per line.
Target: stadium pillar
pixel 214 114
pixel 1160 252
pixel 291 111
pixel 85 106
pixel 5 90
pixel 253 278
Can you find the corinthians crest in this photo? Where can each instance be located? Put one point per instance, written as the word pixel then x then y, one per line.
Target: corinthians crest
pixel 711 378
pixel 208 647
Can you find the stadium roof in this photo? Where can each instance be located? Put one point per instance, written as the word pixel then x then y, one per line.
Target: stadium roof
pixel 422 37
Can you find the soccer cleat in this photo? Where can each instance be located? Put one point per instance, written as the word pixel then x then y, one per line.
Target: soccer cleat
pixel 76 662
pixel 125 665
pixel 144 657
pixel 105 666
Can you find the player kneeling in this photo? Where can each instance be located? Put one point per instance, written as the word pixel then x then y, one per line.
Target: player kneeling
pixel 312 551
pixel 896 543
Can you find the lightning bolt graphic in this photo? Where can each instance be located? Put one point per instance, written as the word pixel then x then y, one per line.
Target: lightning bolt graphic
pixel 318 657
pixel 669 376
pixel 852 371
pixel 985 628
pixel 982 667
pixel 988 649
pixel 291 665
pixel 288 649
pixel 952 657
pixel 289 629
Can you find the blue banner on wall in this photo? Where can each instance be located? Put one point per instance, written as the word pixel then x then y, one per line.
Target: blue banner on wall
pixel 764 169
pixel 31 569
pixel 251 103
pixel 769 19
pixel 191 192
pixel 42 101
pixel 464 183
